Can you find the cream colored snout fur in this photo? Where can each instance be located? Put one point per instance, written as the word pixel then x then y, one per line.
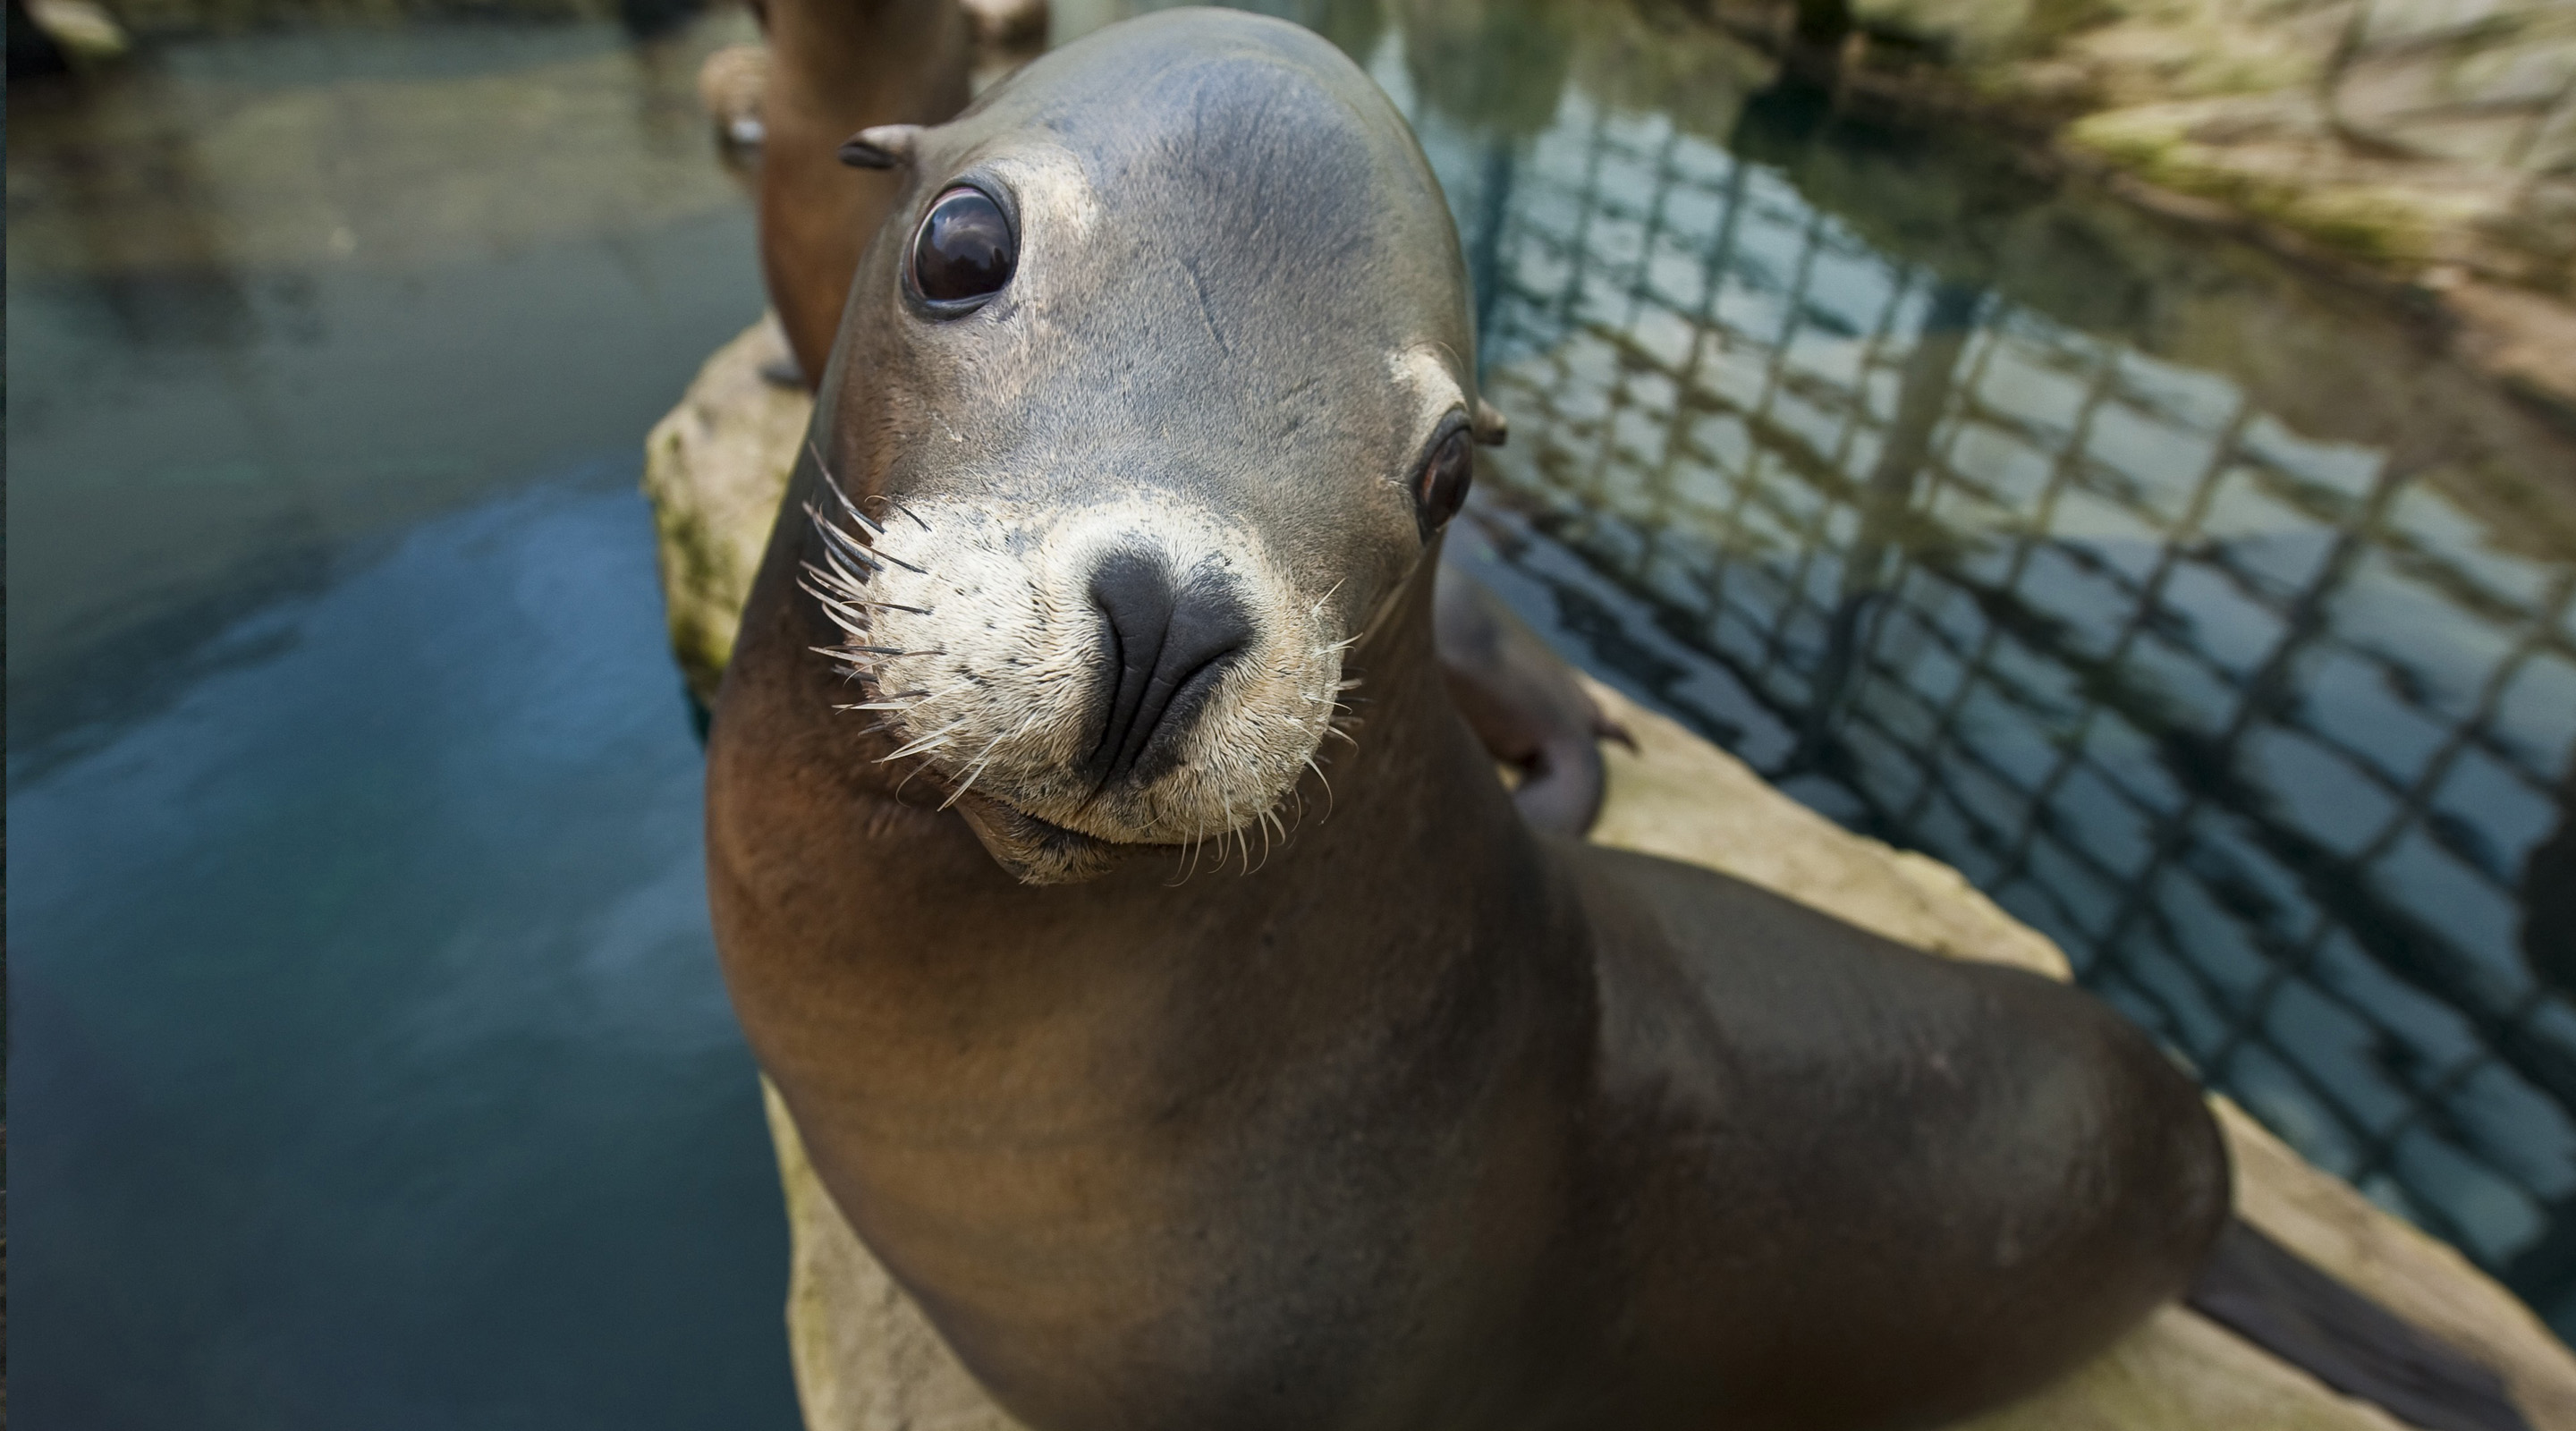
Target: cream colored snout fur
pixel 973 629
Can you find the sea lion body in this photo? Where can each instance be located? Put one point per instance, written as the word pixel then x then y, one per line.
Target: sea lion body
pixel 1406 1116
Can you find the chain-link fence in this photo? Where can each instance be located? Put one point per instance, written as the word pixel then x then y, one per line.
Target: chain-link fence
pixel 2267 732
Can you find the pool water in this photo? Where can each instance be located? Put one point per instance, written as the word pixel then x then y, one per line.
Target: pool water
pixel 2196 608
pixel 369 1065
pixel 368 1062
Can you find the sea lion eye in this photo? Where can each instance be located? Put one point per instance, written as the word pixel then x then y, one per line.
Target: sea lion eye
pixel 965 251
pixel 1442 486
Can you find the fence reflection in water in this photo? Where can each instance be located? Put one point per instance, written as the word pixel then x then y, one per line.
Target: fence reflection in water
pixel 2268 732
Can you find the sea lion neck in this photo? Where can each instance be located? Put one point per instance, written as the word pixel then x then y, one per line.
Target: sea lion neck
pixel 1013 1091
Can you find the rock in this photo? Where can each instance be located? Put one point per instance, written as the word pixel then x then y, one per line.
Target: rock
pixel 1008 24
pixel 2277 157
pixel 2522 338
pixel 731 82
pixel 2399 133
pixel 866 1360
pixel 87 34
pixel 2473 81
pixel 715 469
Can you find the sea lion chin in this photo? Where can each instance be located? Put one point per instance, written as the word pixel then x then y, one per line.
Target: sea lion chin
pixel 1032 851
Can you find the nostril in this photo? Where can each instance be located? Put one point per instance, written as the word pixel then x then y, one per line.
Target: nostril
pixel 1165 645
pixel 1134 595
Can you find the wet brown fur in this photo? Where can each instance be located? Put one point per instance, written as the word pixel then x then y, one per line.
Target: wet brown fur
pixel 1428 1121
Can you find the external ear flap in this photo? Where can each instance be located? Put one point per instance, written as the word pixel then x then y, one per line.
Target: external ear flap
pixel 1489 425
pixel 884 147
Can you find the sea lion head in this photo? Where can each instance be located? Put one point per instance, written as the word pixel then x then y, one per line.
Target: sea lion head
pixel 1153 390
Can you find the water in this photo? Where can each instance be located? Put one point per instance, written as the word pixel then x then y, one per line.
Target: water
pixel 2195 608
pixel 368 1061
pixel 369 1064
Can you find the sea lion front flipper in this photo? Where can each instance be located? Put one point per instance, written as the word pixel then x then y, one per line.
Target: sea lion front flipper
pixel 2273 1298
pixel 1524 703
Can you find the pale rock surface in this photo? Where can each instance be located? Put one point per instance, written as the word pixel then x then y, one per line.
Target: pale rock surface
pixel 1007 24
pixel 2407 133
pixel 731 84
pixel 86 31
pixel 715 468
pixel 866 1360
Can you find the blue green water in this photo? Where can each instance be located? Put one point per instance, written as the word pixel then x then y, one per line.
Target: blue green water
pixel 367 1060
pixel 371 1068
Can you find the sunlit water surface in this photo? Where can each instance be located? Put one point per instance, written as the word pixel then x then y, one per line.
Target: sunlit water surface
pixel 369 1065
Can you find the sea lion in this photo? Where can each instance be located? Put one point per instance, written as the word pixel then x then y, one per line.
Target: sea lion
pixel 1523 702
pixel 1124 498
pixel 842 67
pixel 835 67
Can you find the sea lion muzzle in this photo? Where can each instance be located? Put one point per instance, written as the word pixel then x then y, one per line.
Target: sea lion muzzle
pixel 1127 670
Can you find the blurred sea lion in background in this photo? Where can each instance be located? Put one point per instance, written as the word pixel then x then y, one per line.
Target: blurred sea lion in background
pixel 837 67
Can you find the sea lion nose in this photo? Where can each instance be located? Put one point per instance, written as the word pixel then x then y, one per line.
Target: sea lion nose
pixel 1165 646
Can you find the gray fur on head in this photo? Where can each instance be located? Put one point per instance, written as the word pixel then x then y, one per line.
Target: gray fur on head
pixel 1236 329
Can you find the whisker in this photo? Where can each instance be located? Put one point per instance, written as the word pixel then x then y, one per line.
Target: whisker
pixel 828 589
pixel 985 757
pixel 931 741
pixel 871 556
pixel 842 614
pixel 871 528
pixel 852 595
pixel 1327 783
pixel 839 577
pixel 844 548
pixel 844 543
pixel 908 778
